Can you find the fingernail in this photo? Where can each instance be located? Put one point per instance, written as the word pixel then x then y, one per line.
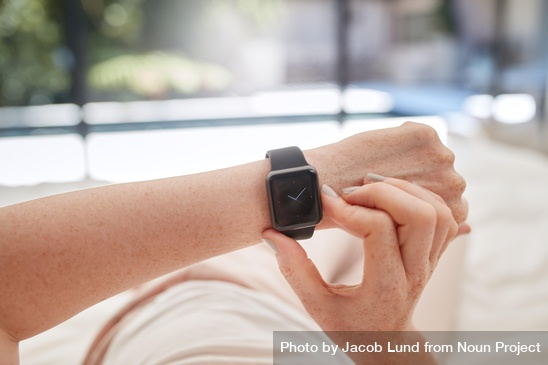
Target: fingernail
pixel 417 184
pixel 375 177
pixel 326 189
pixel 271 244
pixel 350 189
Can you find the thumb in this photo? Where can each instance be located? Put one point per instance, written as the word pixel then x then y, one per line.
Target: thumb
pixel 299 271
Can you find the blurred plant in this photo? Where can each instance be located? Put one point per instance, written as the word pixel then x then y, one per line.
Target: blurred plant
pixel 115 27
pixel 444 18
pixel 117 67
pixel 262 13
pixel 33 63
pixel 117 20
pixel 154 74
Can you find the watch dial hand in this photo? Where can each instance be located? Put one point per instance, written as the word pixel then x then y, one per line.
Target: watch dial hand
pixel 302 191
pixel 300 194
pixel 300 202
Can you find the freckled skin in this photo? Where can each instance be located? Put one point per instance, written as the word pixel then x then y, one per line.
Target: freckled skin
pixel 62 254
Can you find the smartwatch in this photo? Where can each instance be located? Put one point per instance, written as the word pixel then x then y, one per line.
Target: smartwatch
pixel 293 193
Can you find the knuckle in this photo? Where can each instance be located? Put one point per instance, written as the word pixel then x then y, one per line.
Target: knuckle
pixel 425 131
pixel 449 156
pixel 445 215
pixel 456 202
pixel 446 219
pixel 454 184
pixel 460 212
pixel 453 229
pixel 460 184
pixel 437 197
pixel 443 156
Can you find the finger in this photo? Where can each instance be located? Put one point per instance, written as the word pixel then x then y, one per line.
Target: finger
pixel 402 184
pixel 465 208
pixel 382 258
pixel 455 201
pixel 464 228
pixel 415 219
pixel 459 207
pixel 446 226
pixel 299 271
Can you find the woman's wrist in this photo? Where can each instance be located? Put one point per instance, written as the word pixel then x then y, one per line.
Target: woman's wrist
pixel 338 168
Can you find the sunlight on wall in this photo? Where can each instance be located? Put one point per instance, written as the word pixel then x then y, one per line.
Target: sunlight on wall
pixel 144 155
pixel 504 108
pixel 514 108
pixel 38 159
pixel 360 100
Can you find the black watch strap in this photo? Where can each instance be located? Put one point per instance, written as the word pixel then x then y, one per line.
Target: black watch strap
pixel 301 233
pixel 286 158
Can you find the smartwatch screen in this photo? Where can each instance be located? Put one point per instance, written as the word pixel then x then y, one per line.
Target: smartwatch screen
pixel 295 199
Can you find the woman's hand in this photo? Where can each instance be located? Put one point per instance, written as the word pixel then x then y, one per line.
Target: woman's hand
pixel 405 229
pixel 411 152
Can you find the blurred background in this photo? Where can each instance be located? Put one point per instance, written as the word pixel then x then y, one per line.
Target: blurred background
pixel 101 91
pixel 86 66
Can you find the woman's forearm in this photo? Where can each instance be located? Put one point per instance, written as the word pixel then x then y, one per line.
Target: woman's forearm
pixel 63 253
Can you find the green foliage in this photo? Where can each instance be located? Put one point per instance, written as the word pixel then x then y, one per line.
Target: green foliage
pixel 116 20
pixel 444 17
pixel 33 65
pixel 261 14
pixel 154 74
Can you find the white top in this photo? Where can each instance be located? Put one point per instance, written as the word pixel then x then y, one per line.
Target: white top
pixel 208 322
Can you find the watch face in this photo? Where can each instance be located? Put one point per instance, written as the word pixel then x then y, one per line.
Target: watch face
pixel 295 201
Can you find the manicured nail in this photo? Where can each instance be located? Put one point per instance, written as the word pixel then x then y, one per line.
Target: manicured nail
pixel 326 189
pixel 271 244
pixel 350 189
pixel 375 177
